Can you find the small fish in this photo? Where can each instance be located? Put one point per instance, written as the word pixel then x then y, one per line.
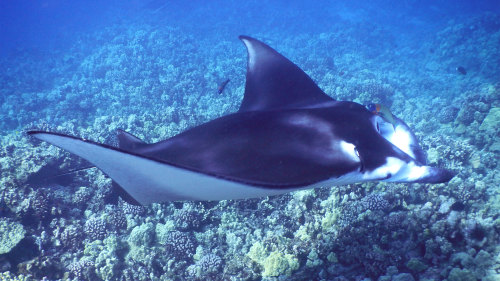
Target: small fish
pixel 462 70
pixel 384 112
pixel 222 86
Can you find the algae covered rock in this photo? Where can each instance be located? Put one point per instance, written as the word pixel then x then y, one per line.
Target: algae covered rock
pixel 416 265
pixel 491 126
pixel 140 240
pixel 313 259
pixel 403 277
pixel 491 123
pixel 277 264
pixel 10 234
pixel 142 235
pixel 457 274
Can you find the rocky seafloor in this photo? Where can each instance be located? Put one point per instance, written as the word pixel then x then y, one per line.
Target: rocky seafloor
pixel 156 82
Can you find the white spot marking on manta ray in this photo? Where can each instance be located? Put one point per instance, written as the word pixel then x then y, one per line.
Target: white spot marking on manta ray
pixel 392 167
pixel 416 172
pixel 309 122
pixel 402 139
pixel 324 129
pixel 410 172
pixel 349 149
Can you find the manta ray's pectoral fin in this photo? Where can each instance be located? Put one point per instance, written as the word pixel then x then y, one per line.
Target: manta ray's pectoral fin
pixel 274 82
pixel 120 192
pixel 127 141
pixel 148 180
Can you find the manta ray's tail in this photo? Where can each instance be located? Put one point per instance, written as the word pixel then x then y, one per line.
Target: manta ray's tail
pixel 52 174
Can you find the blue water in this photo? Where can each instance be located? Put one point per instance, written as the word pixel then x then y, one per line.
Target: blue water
pixel 153 68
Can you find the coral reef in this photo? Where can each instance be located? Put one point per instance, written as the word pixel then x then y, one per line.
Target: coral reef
pixel 11 234
pixel 82 270
pixel 95 228
pixel 448 114
pixel 180 244
pixel 158 81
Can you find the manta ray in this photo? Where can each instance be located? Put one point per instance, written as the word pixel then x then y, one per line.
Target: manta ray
pixel 287 135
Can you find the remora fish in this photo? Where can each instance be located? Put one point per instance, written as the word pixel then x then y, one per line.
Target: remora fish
pixel 287 135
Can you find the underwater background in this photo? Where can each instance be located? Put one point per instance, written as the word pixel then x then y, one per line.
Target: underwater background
pixel 153 68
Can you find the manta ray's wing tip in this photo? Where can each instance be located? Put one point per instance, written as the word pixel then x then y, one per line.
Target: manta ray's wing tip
pixel 33 132
pixel 442 175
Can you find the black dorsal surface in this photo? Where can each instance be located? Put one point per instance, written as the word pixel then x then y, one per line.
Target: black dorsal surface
pixel 127 141
pixel 274 82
